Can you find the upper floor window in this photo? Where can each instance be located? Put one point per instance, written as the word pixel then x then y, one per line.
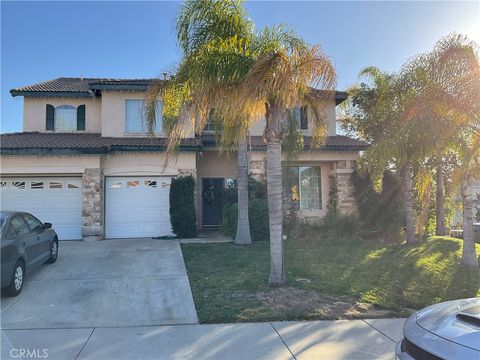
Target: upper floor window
pixel 301 117
pixel 213 122
pixel 65 118
pixel 135 122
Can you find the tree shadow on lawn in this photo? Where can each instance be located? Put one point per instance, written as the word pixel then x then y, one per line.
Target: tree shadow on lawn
pixel 390 276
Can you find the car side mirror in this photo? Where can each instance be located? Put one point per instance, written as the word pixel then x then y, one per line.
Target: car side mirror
pixel 47 225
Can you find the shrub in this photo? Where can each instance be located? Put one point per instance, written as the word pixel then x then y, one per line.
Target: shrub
pixel 338 226
pixel 182 207
pixel 257 215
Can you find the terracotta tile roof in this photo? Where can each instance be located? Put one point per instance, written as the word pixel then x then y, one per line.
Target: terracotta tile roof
pixel 66 86
pixel 333 143
pixel 80 86
pixel 93 143
pixel 40 143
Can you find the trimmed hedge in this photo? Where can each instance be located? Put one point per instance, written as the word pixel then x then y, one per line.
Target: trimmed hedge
pixel 257 215
pixel 182 207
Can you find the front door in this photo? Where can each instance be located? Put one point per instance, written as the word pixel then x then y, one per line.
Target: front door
pixel 212 201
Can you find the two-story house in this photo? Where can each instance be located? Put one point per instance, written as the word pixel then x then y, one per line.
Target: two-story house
pixel 85 162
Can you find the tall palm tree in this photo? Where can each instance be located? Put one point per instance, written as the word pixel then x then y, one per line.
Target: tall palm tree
pixel 377 116
pixel 213 36
pixel 245 75
pixel 468 149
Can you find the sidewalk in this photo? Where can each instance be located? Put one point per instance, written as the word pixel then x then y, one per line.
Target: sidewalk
pixel 342 339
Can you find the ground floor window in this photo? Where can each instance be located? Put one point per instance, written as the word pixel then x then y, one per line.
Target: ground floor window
pixel 302 187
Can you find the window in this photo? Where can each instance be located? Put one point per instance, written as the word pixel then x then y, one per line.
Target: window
pixel 36 185
pixel 133 183
pixel 3 184
pixel 300 114
pixel 55 185
pixel 116 185
pixel 213 122
pixel 72 186
pixel 19 225
pixel 65 118
pixel 135 117
pixel 18 185
pixel 150 183
pixel 302 187
pixel 33 222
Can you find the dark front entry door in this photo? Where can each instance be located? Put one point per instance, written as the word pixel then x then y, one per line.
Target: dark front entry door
pixel 212 201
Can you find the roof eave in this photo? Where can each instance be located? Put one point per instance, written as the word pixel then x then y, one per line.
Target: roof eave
pixel 62 94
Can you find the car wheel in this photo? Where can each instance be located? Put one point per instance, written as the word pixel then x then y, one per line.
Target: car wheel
pixel 53 252
pixel 18 277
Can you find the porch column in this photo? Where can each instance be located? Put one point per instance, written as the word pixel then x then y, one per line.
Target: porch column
pixel 92 205
pixel 342 174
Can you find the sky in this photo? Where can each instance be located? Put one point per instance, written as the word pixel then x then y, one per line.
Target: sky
pixel 46 40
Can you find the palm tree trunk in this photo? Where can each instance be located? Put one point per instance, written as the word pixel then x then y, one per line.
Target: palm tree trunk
pixel 422 218
pixel 440 203
pixel 469 255
pixel 408 200
pixel 275 118
pixel 243 226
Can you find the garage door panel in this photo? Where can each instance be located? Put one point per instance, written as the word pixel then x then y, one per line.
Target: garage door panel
pixel 137 207
pixel 61 205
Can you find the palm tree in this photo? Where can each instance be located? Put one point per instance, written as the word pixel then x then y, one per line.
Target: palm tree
pixel 243 237
pixel 468 149
pixel 213 36
pixel 244 75
pixel 376 115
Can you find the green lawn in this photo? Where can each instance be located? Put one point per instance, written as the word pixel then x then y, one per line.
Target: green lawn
pixel 326 279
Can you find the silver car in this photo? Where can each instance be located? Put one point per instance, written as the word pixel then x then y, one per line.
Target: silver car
pixel 26 244
pixel 449 330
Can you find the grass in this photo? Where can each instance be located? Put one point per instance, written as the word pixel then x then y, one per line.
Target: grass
pixel 226 279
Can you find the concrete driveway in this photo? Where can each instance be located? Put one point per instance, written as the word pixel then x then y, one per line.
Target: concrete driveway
pixel 114 283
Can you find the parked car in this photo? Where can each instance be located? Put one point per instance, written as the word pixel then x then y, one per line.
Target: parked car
pixel 449 330
pixel 26 244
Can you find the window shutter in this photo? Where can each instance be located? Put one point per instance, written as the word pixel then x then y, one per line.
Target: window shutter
pixel 50 118
pixel 81 117
pixel 303 118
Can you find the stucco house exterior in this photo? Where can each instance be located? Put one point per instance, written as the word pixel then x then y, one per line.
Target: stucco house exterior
pixel 85 162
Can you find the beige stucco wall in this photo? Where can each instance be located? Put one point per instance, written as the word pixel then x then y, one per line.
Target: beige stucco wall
pixel 258 126
pixel 147 163
pixel 113 113
pixel 34 112
pixel 51 165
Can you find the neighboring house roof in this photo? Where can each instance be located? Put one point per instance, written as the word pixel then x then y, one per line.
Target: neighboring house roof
pixel 36 143
pixel 87 87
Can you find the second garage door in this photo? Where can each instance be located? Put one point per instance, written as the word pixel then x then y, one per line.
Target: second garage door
pixel 137 207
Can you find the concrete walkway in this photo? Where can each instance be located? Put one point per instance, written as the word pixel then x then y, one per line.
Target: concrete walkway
pixel 342 339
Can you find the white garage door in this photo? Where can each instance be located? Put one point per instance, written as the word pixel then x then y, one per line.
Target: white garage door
pixel 137 207
pixel 57 200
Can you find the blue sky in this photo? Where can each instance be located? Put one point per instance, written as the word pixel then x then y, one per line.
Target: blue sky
pixel 45 40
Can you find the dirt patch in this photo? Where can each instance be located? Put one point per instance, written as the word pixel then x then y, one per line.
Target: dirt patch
pixel 313 304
